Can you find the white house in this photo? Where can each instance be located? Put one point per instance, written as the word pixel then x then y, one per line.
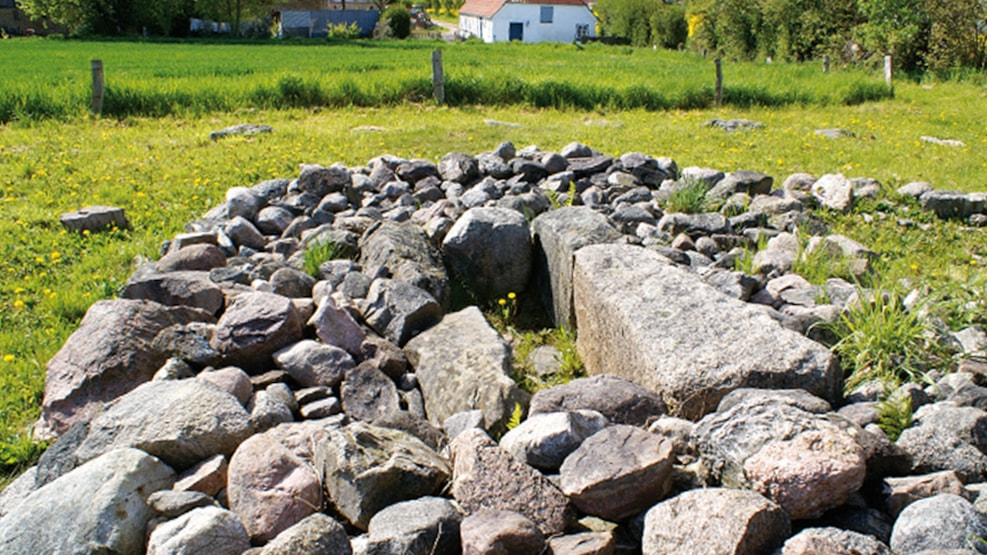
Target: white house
pixel 527 20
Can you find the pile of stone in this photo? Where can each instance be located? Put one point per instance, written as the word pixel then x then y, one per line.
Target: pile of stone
pixel 231 402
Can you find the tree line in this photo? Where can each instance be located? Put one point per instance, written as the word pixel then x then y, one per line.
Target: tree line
pixel 936 35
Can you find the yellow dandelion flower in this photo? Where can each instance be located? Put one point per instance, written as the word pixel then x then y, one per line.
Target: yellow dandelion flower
pixel 39 259
pixel 56 254
pixel 19 290
pixel 512 295
pixel 8 358
pixel 18 304
pixel 502 302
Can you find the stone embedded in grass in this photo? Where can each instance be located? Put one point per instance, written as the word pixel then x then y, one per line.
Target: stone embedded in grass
pixel 243 129
pixel 834 191
pixel 93 219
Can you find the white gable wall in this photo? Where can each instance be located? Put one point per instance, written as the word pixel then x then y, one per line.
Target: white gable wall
pixel 561 29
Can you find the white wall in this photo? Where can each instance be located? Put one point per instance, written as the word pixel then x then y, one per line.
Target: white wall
pixel 562 28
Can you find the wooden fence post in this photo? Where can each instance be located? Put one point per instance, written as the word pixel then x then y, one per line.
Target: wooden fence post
pixel 719 81
pixel 438 79
pixel 889 74
pixel 97 66
pixel 825 63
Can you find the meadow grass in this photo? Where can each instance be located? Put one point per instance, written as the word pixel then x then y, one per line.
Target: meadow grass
pixel 165 171
pixel 43 79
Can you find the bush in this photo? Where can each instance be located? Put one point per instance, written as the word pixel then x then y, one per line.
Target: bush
pixel 643 22
pixel 395 22
pixel 342 31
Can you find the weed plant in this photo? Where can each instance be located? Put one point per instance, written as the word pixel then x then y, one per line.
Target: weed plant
pixel 688 196
pixel 894 415
pixel 881 339
pixel 318 253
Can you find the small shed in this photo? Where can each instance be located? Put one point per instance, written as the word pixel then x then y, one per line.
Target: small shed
pixel 527 20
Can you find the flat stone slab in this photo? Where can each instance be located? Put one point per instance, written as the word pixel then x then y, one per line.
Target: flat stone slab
pixel 643 319
pixel 94 218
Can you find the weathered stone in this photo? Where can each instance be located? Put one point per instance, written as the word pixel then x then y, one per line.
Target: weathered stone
pixel 951 204
pixel 17 490
pixel 402 251
pixel 725 439
pixel 795 397
pixel 399 311
pixel 94 219
pixel 545 440
pixel 743 181
pixel 171 504
pixel 942 522
pixel 231 380
pixel 945 437
pixel 585 543
pixel 292 283
pixel 833 191
pixel 462 363
pixel 492 532
pixel 660 326
pixel 914 189
pixel 714 520
pixel 244 234
pixel 109 355
pixel 459 167
pixel 193 289
pixel 488 477
pixel 415 170
pixel 366 468
pixel 336 326
pixel 316 534
pixel 59 458
pixel 321 181
pixel 558 234
pixel 267 411
pixel 618 472
pixel 243 129
pixel 201 257
pixel 832 541
pixel 808 474
pixel 208 476
pixel 98 507
pixel 426 526
pixel 311 363
pixel 270 488
pixel 188 343
pixel 368 394
pixel 902 492
pixel 254 327
pixel 209 529
pixel 180 422
pixel 621 401
pixel 490 250
pixel 694 225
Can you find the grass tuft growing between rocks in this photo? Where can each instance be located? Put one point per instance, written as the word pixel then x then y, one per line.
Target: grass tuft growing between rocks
pixel 881 339
pixel 894 415
pixel 320 252
pixel 688 196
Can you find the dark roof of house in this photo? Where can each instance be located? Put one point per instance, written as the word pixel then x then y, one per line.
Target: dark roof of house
pixel 486 8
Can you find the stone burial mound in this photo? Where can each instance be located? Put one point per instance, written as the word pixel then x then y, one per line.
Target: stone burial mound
pixel 293 375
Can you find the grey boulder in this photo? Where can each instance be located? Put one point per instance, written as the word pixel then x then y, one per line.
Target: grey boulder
pixel 942 522
pixel 316 534
pixel 832 541
pixel 488 477
pixel 490 250
pixel 402 251
pixel 425 526
pixel 398 310
pixel 185 288
pixel 620 400
pixel 947 437
pixel 618 472
pixel 713 521
pixel 545 440
pixel 254 327
pixel 463 364
pixel 643 319
pixel 365 468
pixel 205 530
pixel 312 364
pixel 558 234
pixel 100 507
pixel 181 422
pixel 495 532
pixel 108 355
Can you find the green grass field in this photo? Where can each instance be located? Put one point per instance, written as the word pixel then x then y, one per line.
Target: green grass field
pixel 51 79
pixel 165 171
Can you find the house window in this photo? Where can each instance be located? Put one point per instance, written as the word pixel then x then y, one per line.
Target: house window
pixel 6 3
pixel 582 31
pixel 547 13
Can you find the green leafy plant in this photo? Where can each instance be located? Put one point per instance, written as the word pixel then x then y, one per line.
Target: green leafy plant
pixel 342 31
pixel 894 415
pixel 318 253
pixel 688 196
pixel 516 415
pixel 879 338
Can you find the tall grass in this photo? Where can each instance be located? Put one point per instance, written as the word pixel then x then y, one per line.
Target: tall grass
pixel 50 80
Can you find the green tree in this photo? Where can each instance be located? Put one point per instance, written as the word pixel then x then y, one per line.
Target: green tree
pixel 955 37
pixel 395 22
pixel 800 30
pixel 233 12
pixel 643 22
pixel 896 27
